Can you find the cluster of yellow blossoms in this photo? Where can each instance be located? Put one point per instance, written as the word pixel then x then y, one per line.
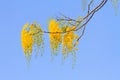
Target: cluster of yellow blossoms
pixel 27 40
pixel 68 40
pixel 55 38
pixel 31 34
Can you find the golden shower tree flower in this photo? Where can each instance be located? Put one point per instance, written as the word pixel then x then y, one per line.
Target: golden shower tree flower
pixel 36 31
pixel 55 38
pixel 27 40
pixel 69 40
pixel 31 36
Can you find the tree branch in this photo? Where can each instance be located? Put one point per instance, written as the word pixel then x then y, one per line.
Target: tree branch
pixel 86 19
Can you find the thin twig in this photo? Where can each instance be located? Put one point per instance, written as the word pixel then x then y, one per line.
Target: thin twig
pixel 88 17
pixel 83 31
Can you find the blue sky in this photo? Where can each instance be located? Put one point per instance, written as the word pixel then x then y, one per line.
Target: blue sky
pixel 98 57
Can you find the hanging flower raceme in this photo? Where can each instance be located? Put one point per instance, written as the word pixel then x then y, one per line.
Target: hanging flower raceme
pixel 27 40
pixel 36 31
pixel 69 40
pixel 55 38
pixel 31 35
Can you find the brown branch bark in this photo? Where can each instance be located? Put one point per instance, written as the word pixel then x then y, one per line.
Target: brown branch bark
pixel 86 19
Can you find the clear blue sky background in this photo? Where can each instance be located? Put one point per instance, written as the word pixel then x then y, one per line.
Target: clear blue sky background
pixel 98 57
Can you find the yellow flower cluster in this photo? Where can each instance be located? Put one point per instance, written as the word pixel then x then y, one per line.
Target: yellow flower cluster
pixel 55 38
pixel 37 32
pixel 31 34
pixel 68 41
pixel 27 41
